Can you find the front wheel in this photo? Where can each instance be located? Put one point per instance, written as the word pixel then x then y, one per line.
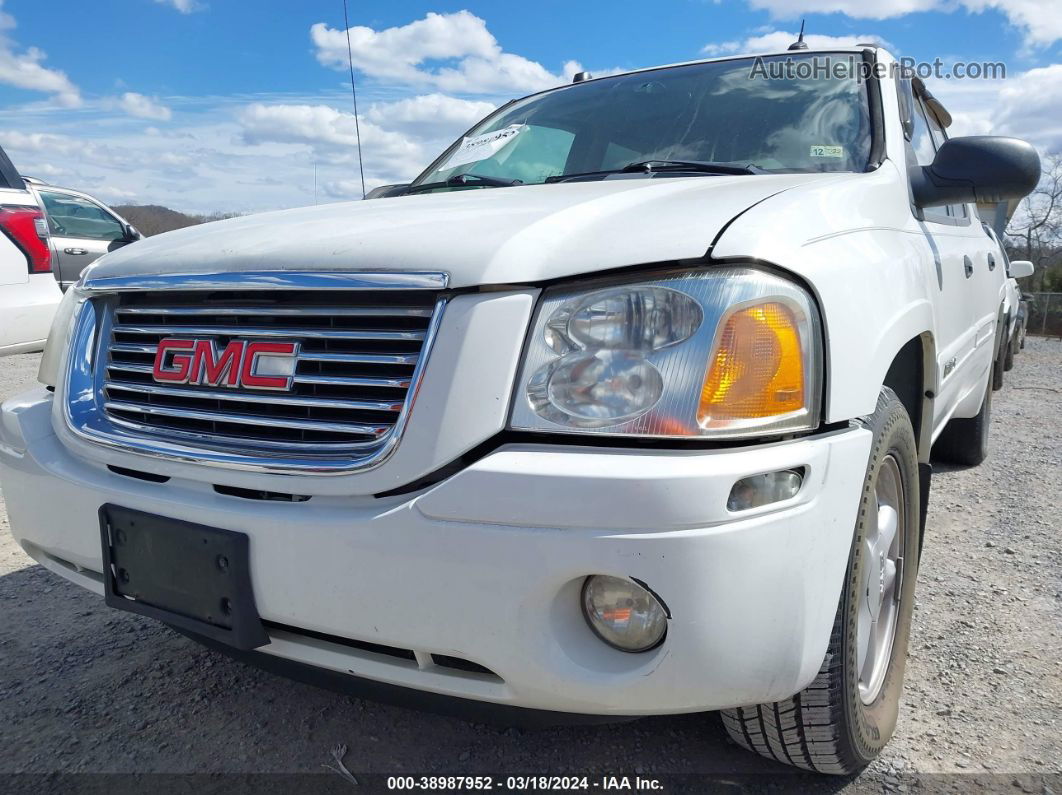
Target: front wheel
pixel 842 720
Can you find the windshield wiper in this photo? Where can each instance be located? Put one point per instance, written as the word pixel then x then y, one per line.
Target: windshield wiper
pixel 653 166
pixel 701 166
pixel 460 180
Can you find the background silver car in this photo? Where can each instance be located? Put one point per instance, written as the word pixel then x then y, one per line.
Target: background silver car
pixel 81 228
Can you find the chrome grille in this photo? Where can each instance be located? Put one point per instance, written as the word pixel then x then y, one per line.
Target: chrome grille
pixel 360 352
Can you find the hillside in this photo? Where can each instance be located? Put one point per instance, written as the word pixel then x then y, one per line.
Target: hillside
pixel 153 219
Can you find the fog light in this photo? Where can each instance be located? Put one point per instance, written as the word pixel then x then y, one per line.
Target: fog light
pixel 759 490
pixel 623 614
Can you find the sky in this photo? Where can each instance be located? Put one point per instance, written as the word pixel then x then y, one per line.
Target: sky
pixel 239 106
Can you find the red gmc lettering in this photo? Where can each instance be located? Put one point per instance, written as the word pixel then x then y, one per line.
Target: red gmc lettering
pixel 197 362
pixel 180 364
pixel 250 358
pixel 208 368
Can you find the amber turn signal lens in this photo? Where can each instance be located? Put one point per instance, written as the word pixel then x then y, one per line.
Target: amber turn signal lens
pixel 757 370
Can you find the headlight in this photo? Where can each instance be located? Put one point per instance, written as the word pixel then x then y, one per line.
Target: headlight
pixel 715 352
pixel 59 336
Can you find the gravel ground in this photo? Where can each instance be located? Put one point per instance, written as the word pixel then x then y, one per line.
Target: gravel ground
pixel 84 688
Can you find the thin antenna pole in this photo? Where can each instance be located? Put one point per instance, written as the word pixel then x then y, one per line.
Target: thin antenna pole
pixel 354 94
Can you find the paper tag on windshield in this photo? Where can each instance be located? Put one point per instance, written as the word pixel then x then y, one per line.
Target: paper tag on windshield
pixel 827 151
pixel 480 147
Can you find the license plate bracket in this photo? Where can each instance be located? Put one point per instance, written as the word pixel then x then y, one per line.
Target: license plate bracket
pixel 181 573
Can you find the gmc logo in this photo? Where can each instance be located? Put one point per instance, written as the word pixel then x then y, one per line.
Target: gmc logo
pixel 254 365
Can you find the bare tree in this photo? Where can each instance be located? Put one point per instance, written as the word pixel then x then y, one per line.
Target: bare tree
pixel 1035 231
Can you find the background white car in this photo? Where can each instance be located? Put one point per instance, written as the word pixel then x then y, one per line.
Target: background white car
pixel 29 293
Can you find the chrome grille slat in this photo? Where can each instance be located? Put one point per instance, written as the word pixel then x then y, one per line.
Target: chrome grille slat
pixel 252 331
pixel 272 400
pixel 129 347
pixel 359 356
pixel 247 419
pixel 321 449
pixel 339 380
pixel 302 311
pixel 331 380
pixel 341 358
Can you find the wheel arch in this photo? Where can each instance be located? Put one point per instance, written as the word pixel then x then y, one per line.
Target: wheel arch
pixel 911 376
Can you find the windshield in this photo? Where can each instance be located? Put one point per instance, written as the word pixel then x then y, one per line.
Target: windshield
pixel 724 112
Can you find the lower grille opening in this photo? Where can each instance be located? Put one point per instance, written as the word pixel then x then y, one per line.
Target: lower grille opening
pixel 35 551
pixel 461 664
pixel 258 494
pixel 150 477
pixel 444 661
pixel 361 645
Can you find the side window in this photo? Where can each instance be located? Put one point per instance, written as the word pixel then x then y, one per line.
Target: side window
pixel 939 137
pixel 924 150
pixel 71 216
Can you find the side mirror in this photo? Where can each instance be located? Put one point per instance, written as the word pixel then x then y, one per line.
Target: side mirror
pixel 385 191
pixel 977 168
pixel 1020 268
pixel 131 233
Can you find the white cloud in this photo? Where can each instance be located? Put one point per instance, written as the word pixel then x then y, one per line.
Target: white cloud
pixel 1026 105
pixel 25 70
pixel 779 40
pixel 329 138
pixel 184 6
pixel 451 52
pixel 144 107
pixel 115 195
pixel 429 113
pixel 398 138
pixel 1039 21
pixel 344 188
pixel 317 125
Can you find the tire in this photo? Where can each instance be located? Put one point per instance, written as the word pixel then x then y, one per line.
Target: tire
pixel 1021 345
pixel 996 378
pixel 965 441
pixel 1008 357
pixel 828 727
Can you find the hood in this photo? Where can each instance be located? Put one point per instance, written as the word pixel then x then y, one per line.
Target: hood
pixel 484 236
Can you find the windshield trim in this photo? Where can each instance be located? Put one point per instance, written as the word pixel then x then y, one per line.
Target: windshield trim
pixel 877 133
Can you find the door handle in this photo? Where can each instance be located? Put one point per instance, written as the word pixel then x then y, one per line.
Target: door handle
pixel 967 265
pixel 991 262
pixel 74 251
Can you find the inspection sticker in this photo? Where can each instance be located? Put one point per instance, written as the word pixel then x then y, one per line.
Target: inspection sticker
pixel 827 151
pixel 480 147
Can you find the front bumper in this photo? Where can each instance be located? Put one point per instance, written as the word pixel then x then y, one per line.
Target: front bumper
pixel 486 566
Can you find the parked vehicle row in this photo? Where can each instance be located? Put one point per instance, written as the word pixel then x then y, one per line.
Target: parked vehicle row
pixel 29 293
pixel 1014 312
pixel 81 229
pixel 51 235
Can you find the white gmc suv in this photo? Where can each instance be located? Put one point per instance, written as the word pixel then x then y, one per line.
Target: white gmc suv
pixel 623 407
